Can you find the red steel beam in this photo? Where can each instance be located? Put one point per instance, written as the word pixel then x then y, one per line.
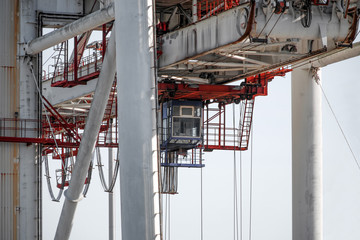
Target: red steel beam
pixel 51 142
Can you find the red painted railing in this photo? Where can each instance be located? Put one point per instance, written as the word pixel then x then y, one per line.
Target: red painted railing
pixel 207 8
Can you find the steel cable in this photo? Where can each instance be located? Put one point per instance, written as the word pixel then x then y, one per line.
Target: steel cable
pixel 341 129
pixel 251 183
pixel 201 204
pixel 63 163
pixel 240 180
pixel 106 187
pixel 236 223
pixel 48 183
pixel 185 73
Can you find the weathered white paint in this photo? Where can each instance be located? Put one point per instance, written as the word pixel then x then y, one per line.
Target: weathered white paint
pixel 29 162
pixel 306 156
pixel 218 32
pixel 58 95
pixel 138 155
pixel 73 29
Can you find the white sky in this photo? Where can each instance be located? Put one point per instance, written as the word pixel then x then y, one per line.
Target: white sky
pixel 271 204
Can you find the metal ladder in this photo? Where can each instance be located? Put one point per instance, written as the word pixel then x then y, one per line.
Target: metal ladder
pixel 246 122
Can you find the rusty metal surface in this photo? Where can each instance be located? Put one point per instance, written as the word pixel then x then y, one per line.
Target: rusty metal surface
pixel 9 152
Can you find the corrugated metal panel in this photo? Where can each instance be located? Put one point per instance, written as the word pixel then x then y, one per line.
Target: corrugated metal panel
pixel 8 38
pixel 9 153
pixel 63 6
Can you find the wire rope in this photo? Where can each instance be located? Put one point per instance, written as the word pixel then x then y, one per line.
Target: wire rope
pixel 48 183
pixel 63 163
pixel 236 223
pixel 240 183
pixel 341 129
pixel 185 73
pixel 49 58
pixel 106 187
pixel 251 183
pixel 260 44
pixel 276 23
pixel 201 203
pixel 266 23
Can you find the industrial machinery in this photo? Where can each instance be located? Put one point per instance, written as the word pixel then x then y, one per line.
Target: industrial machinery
pixel 180 62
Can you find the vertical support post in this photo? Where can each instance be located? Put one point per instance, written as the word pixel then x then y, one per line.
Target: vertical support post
pixel 111 195
pixel 224 126
pixel 103 40
pixel 28 161
pixel 306 155
pixel 66 61
pixel 75 63
pixel 207 125
pixel 194 11
pixel 138 144
pixel 219 141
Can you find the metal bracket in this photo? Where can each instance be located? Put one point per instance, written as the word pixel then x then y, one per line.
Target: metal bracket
pixel 81 197
pixel 314 71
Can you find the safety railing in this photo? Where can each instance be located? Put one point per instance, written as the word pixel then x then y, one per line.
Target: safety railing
pixel 88 65
pixel 189 158
pixel 221 138
pixel 29 131
pixel 208 8
pixel 19 128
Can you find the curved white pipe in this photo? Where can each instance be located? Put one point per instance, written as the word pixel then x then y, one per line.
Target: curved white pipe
pixel 96 113
pixel 73 29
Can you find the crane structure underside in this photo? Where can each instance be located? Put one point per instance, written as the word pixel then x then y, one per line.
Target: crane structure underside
pixel 212 56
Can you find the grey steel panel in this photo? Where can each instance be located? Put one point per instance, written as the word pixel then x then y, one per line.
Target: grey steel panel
pixel 9 177
pixel 63 6
pixel 8 27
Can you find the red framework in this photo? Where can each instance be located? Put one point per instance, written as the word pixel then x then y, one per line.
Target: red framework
pixel 253 86
pixel 88 67
pixel 218 136
pixel 25 130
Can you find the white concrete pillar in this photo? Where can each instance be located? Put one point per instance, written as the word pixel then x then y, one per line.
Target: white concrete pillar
pixel 29 161
pixel 306 155
pixel 137 117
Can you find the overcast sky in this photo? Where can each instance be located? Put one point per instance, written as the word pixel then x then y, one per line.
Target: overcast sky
pixel 271 157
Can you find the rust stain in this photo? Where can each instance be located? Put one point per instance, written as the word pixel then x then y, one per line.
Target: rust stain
pixel 15 108
pixel 15 196
pixel 16 14
pixel 15 76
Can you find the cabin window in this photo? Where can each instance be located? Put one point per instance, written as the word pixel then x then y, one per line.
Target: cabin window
pixel 186 127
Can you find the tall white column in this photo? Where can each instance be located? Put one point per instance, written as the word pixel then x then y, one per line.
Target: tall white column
pixel 137 113
pixel 29 163
pixel 306 155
